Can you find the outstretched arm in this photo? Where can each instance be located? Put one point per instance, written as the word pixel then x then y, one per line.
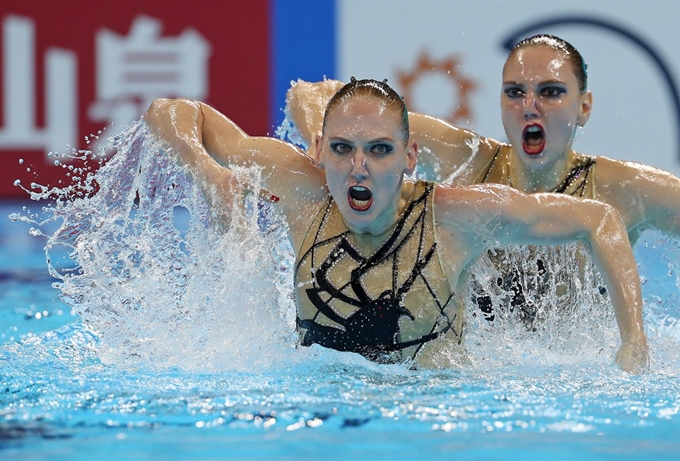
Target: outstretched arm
pixel 512 217
pixel 554 218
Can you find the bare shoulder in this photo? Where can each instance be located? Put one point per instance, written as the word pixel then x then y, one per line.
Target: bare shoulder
pixel 468 218
pixel 611 172
pixel 644 195
pixel 618 181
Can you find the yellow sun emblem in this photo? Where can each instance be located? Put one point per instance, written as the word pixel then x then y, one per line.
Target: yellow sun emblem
pixel 448 67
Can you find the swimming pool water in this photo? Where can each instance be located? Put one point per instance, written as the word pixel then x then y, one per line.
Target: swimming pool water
pixel 191 360
pixel 59 401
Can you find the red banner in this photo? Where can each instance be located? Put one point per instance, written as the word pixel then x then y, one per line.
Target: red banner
pixel 72 69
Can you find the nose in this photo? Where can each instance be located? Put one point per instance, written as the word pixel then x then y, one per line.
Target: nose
pixel 530 105
pixel 359 171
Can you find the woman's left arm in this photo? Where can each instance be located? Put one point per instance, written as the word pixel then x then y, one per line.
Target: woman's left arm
pixel 512 217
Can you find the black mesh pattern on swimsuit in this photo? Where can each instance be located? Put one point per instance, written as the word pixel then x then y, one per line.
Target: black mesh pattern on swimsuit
pixel 374 326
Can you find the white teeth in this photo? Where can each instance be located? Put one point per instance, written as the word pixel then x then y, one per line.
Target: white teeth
pixel 359 188
pixel 533 129
pixel 359 204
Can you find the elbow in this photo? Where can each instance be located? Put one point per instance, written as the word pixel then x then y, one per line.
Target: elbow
pixel 292 93
pixel 164 115
pixel 609 223
pixel 159 104
pixel 299 94
pixel 170 104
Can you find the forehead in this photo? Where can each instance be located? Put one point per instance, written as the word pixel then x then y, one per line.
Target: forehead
pixel 363 116
pixel 538 62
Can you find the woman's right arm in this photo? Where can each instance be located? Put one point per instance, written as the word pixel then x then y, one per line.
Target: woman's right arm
pixel 179 124
pixel 208 143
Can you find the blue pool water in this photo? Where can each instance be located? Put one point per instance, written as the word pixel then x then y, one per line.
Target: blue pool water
pixel 166 339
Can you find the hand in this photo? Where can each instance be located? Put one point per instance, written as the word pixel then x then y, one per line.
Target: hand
pixel 633 357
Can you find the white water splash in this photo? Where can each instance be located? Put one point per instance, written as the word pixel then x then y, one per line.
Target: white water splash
pixel 140 257
pixel 152 274
pixel 563 315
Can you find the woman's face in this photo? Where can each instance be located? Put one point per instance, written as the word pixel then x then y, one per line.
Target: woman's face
pixel 541 105
pixel 365 157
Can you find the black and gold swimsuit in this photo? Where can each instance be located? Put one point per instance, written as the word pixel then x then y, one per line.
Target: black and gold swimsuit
pixel 386 305
pixel 578 182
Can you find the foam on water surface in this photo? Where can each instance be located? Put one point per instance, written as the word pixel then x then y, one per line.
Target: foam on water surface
pixel 185 319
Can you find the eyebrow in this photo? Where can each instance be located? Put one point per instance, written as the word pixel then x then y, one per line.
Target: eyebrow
pixel 379 140
pixel 372 141
pixel 552 82
pixel 542 83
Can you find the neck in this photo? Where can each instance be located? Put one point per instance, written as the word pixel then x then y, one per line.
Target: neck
pixel 539 177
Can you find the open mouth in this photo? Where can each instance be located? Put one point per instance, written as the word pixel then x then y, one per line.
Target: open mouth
pixel 359 198
pixel 533 139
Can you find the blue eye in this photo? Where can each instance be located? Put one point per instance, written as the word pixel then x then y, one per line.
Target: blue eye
pixel 382 149
pixel 513 92
pixel 340 147
pixel 552 92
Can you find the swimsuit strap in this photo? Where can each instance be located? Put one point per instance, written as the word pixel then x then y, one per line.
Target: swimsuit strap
pixel 493 161
pixel 582 167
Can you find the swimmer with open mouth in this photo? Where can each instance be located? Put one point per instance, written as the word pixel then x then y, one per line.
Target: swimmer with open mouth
pixel 360 198
pixel 533 139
